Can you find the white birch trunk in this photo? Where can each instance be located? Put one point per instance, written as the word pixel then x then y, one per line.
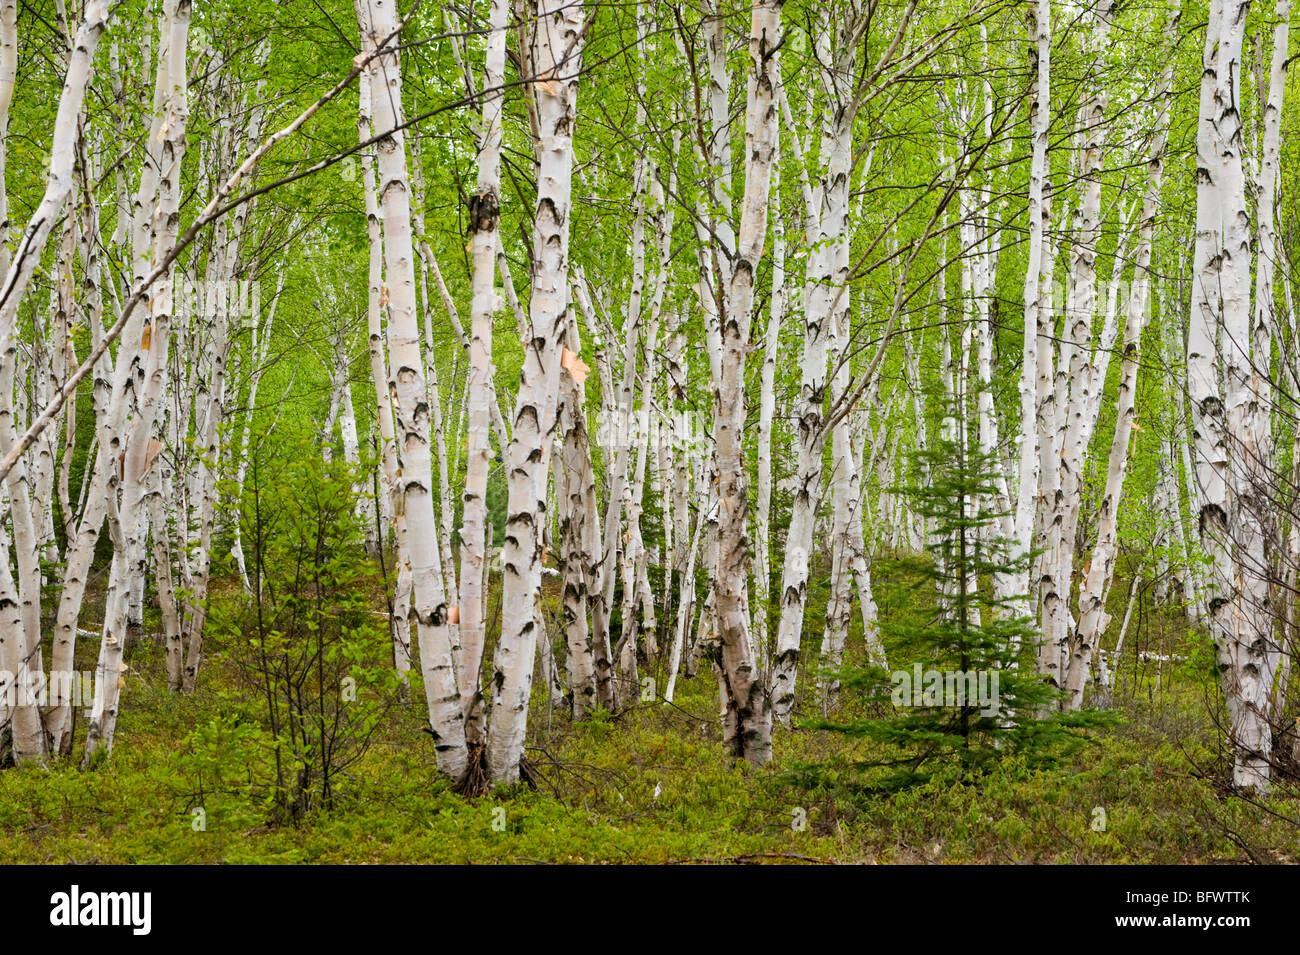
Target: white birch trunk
pixel 1221 406
pixel 141 448
pixel 556 54
pixel 485 217
pixel 766 412
pixel 1093 618
pixel 826 300
pixel 1037 216
pixel 746 698
pixel 378 21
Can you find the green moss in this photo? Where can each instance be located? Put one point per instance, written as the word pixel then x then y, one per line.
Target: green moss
pixel 597 799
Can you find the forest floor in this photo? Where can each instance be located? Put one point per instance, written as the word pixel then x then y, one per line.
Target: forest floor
pixel 651 784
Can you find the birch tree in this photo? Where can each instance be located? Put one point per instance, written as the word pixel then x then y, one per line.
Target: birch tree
pixel 1223 411
pixel 556 55
pixel 485 216
pixel 379 27
pixel 746 703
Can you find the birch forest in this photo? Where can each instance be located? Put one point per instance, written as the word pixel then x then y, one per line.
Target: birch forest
pixel 582 431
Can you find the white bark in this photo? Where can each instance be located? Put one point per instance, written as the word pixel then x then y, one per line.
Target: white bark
pixel 556 55
pixel 1073 407
pixel 391 493
pixel 140 446
pixel 485 217
pixel 766 412
pixel 1093 618
pixel 8 77
pixel 1037 216
pixel 1230 505
pixel 378 22
pixel 746 699
pixel 575 494
pixel 258 347
pixel 826 306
